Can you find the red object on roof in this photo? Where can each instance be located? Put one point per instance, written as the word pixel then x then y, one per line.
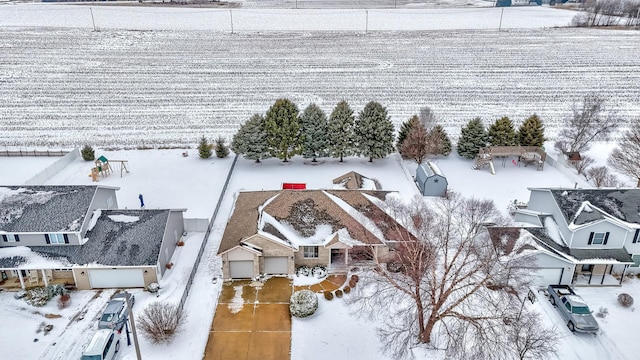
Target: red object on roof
pixel 294 186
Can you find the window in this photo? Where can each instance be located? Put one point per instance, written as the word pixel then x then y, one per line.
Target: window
pixel 310 251
pixel 56 238
pixel 587 268
pixel 10 238
pixel 597 238
pixel 107 347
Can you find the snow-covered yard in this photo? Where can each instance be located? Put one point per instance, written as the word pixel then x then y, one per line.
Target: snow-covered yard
pixel 333 329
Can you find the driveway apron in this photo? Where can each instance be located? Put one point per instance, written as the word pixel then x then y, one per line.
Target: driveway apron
pixel 252 321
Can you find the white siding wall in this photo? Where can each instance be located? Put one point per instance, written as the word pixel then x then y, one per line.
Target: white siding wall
pixel 615 241
pixel 542 200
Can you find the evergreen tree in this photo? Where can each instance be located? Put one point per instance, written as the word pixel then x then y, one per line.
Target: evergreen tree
pixel 473 137
pixel 405 128
pixel 204 148
pixel 442 141
pixel 314 128
pixel 283 129
pixel 373 132
pixel 502 133
pixel 341 133
pixel 88 154
pixel 416 144
pixel 531 133
pixel 222 150
pixel 251 140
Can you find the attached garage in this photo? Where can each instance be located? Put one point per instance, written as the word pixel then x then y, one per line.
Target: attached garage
pixel 276 265
pixel 545 277
pixel 241 269
pixel 116 278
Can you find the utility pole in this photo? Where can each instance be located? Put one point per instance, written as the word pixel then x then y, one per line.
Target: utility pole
pixel 366 23
pixel 92 19
pixel 133 326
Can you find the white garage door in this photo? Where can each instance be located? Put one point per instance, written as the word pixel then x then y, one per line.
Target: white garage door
pixel 241 269
pixel 116 278
pixel 276 265
pixel 545 277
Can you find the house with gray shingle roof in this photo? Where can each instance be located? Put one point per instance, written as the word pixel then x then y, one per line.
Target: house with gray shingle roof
pixel 597 230
pixel 273 232
pixel 76 235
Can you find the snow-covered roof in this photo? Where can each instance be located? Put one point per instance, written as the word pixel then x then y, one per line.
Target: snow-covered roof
pixel 311 217
pixel 115 242
pixel 604 256
pixel 622 204
pixel 44 208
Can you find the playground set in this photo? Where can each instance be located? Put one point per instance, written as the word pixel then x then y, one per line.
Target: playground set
pixel 103 168
pixel 526 154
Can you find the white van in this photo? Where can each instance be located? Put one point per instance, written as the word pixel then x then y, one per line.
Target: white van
pixel 104 345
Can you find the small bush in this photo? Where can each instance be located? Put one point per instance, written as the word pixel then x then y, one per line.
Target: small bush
pixel 222 150
pixel 346 289
pixel 204 148
pixel 88 154
pixel 303 303
pixel 319 271
pixel 303 270
pixel 339 293
pixel 355 278
pixel 63 301
pixel 40 296
pixel 352 283
pixel 602 312
pixel 328 295
pixel 160 321
pixel 153 287
pixel 180 243
pixel 625 300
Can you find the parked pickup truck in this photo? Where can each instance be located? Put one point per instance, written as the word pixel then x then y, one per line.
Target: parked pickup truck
pixel 573 309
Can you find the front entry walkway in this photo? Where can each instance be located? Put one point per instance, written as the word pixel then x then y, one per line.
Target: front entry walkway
pixel 252 321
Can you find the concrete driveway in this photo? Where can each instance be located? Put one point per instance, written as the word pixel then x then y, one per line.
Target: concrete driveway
pixel 252 321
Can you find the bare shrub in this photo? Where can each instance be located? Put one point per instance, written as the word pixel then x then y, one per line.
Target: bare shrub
pixel 625 300
pixel 328 295
pixel 160 321
pixel 339 293
pixel 64 300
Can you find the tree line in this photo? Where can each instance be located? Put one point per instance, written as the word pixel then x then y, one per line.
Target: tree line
pixel 284 132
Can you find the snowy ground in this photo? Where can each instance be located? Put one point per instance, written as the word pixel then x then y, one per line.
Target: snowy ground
pixel 333 330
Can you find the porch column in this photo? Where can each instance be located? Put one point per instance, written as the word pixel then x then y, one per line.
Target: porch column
pixel 623 272
pixel 604 273
pixel 21 279
pixel 346 256
pixel 44 278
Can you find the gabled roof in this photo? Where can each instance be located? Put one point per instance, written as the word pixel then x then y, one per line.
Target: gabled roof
pixel 119 238
pixel 351 180
pixel 579 255
pixel 301 213
pixel 623 204
pixel 44 209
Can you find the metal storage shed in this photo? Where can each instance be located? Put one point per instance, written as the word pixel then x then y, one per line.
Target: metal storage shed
pixel 430 180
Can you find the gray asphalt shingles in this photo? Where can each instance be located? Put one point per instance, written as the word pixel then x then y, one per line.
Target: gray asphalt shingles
pixel 117 243
pixel 624 204
pixel 45 208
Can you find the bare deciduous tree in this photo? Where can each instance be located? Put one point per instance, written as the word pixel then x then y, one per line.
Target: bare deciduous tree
pixel 427 118
pixel 601 177
pixel 449 287
pixel 160 321
pixel 529 339
pixel 582 164
pixel 415 145
pixel 588 123
pixel 626 157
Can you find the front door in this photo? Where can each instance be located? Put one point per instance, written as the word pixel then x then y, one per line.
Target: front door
pixel 337 256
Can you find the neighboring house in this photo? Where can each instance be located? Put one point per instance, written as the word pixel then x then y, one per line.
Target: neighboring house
pixel 273 232
pixel 355 181
pixel 430 180
pixel 75 235
pixel 597 230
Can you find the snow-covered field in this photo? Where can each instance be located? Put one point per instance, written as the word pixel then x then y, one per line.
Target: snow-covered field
pixel 62 87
